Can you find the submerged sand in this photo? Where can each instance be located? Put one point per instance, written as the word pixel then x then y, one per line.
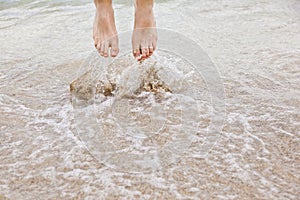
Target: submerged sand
pixel 255 46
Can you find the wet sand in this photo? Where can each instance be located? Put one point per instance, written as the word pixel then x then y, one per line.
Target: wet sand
pixel 256 48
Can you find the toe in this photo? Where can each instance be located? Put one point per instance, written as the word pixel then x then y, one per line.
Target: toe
pixel 135 47
pixel 101 49
pixel 114 52
pixel 105 49
pixel 97 44
pixel 151 50
pixel 136 51
pixel 154 45
pixel 145 51
pixel 114 47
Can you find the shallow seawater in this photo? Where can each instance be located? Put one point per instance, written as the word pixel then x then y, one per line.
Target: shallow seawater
pixel 148 113
pixel 255 46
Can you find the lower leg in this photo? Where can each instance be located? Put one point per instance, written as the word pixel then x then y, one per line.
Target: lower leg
pixel 147 4
pixel 145 35
pixel 105 32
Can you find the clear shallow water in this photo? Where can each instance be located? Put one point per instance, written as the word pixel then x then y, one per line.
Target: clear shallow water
pixel 256 48
pixel 149 113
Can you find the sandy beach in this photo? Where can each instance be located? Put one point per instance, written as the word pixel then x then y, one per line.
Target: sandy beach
pixel 254 45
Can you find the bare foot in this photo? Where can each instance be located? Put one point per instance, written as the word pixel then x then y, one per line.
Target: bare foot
pixel 105 32
pixel 144 36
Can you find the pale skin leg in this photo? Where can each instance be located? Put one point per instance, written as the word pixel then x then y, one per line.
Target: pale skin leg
pixel 105 32
pixel 144 36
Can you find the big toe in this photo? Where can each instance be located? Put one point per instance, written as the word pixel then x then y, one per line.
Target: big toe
pixel 97 44
pixel 114 52
pixel 135 45
pixel 136 50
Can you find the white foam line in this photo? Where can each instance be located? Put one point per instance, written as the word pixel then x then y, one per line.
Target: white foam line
pixel 283 131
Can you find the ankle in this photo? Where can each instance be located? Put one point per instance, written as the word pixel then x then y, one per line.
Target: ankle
pixel 143 12
pixel 104 5
pixel 143 5
pixel 104 11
